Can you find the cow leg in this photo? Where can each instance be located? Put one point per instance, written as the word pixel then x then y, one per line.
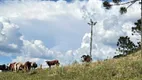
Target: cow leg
pixel 25 69
pixel 28 68
pixel 15 67
pixel 12 69
pixel 49 66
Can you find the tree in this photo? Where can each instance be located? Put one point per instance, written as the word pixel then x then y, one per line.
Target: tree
pixel 137 30
pixel 125 45
pixel 91 38
pixel 123 10
pixel 88 16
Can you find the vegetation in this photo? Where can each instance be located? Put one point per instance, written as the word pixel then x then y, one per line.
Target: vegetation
pixel 124 68
pixel 137 30
pixel 125 45
pixel 123 9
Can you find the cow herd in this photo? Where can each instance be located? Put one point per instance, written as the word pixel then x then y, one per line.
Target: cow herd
pixel 17 66
pixel 26 67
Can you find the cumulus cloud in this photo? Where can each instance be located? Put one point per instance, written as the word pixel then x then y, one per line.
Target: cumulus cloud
pixel 10 41
pixel 2 36
pixel 56 30
pixel 110 26
pixel 60 23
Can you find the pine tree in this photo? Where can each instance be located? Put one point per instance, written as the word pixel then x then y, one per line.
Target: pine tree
pixel 137 30
pixel 123 9
pixel 125 45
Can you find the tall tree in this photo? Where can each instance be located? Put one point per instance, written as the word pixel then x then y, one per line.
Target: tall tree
pixel 91 38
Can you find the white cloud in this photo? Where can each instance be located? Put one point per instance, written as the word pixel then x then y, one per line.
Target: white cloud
pixel 110 25
pixel 41 10
pixel 13 45
pixel 61 25
pixel 10 37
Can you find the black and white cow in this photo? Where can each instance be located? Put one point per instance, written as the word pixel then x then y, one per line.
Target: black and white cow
pixel 3 67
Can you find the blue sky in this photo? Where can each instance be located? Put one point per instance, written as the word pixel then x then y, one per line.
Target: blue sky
pixel 39 31
pixel 4 60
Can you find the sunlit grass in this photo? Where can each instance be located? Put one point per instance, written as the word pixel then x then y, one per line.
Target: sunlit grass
pixel 126 68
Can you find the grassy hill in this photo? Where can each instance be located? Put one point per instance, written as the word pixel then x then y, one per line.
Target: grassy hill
pixel 125 68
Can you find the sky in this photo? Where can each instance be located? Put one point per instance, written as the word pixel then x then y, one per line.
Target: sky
pixel 37 30
pixel 41 0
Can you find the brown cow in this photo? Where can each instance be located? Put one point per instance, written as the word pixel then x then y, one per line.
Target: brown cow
pixel 53 62
pixel 27 66
pixel 12 66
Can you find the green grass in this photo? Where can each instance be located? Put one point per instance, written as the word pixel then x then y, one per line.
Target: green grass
pixel 126 68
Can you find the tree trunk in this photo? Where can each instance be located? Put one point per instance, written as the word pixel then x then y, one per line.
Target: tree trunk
pixel 91 41
pixel 141 29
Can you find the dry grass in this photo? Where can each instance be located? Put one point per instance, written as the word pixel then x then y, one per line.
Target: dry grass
pixel 126 68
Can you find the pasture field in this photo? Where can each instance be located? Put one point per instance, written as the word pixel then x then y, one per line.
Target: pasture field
pixel 125 68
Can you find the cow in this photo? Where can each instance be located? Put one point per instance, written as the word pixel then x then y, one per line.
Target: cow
pixel 86 58
pixel 3 67
pixel 53 62
pixel 19 66
pixel 12 66
pixel 33 65
pixel 27 66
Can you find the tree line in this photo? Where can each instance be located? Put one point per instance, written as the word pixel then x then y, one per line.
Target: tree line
pixel 125 45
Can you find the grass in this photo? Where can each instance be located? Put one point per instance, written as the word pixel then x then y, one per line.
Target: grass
pixel 125 68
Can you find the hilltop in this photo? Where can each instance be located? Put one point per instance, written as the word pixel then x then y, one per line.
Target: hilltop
pixel 124 68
